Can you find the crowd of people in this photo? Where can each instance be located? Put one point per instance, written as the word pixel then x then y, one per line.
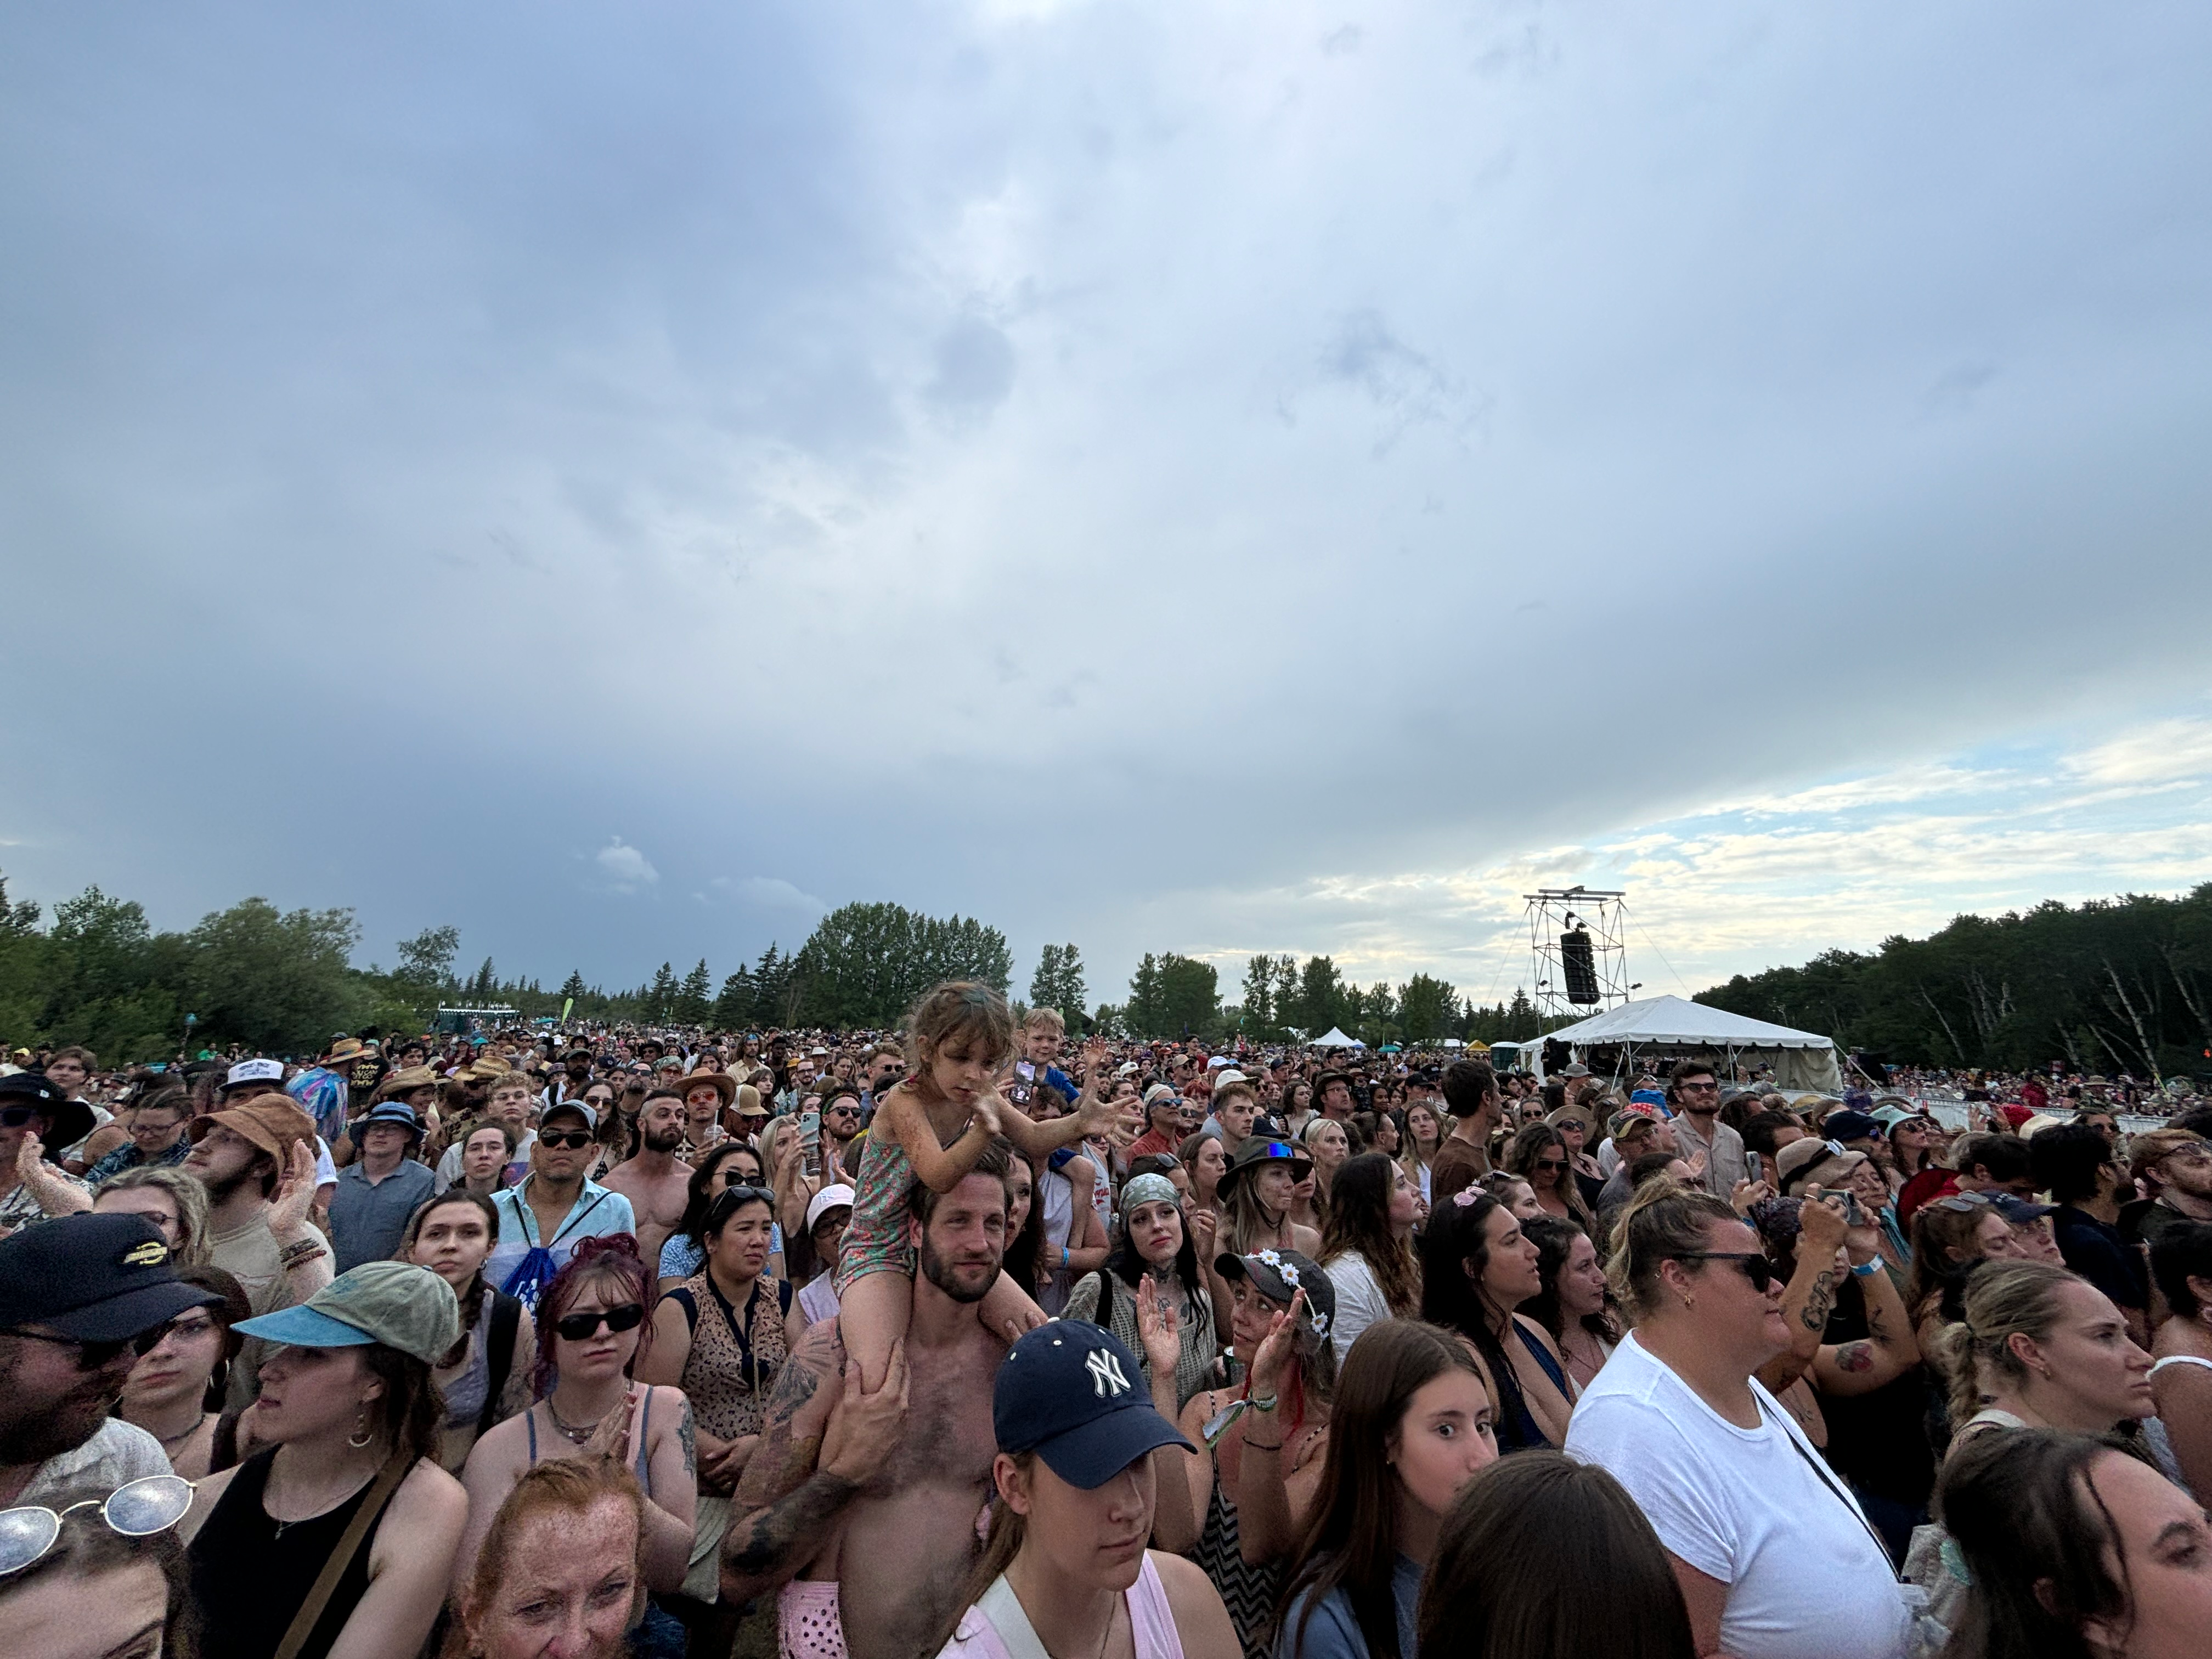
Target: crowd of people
pixel 974 1340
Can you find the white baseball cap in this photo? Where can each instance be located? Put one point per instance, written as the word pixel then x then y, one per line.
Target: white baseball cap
pixel 829 1199
pixel 255 1071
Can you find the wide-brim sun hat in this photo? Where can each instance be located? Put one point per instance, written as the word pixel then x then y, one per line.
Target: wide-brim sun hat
pixel 1264 1149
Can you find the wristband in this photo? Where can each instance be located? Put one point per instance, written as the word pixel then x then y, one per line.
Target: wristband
pixel 1063 1255
pixel 1868 1270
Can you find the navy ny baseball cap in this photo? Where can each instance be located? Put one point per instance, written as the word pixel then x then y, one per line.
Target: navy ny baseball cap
pixel 1071 1393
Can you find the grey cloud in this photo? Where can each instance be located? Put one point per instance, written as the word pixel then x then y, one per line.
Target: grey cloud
pixel 619 408
pixel 975 367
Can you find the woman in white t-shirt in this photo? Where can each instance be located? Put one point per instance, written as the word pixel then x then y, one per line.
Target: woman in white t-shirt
pixel 1774 1557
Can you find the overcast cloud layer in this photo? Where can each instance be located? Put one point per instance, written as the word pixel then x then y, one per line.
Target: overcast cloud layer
pixel 1187 476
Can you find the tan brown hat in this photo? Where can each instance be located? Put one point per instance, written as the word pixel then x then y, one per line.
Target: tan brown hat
pixel 273 1122
pixel 406 1082
pixel 723 1084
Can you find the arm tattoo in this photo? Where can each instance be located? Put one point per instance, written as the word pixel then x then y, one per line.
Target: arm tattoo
pixel 794 1387
pixel 763 1543
pixel 1821 1302
pixel 688 1437
pixel 1854 1357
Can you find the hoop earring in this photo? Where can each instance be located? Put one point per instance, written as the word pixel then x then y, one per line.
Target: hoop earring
pixel 360 1435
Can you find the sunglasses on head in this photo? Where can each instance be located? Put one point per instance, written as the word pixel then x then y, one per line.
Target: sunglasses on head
pixel 574 1138
pixel 583 1326
pixel 1754 1266
pixel 137 1509
pixel 1964 1203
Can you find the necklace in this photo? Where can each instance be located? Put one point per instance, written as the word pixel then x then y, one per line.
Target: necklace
pixel 170 1440
pixel 574 1436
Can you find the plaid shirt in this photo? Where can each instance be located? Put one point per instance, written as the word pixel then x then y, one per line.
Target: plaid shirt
pixel 128 1156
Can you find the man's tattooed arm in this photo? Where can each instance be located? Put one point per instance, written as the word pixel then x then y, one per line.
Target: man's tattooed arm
pixel 766 1546
pixel 797 1412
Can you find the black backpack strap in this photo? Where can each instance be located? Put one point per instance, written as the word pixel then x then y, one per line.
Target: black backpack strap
pixel 505 1321
pixel 1104 1317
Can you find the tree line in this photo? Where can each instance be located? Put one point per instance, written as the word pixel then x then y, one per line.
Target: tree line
pixel 2110 985
pixel 283 982
pixel 1283 999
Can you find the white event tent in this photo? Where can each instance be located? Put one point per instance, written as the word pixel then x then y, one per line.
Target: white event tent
pixel 1336 1039
pixel 1675 1025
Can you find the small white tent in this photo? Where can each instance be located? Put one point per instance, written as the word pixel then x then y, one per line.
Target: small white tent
pixel 1336 1039
pixel 1801 1060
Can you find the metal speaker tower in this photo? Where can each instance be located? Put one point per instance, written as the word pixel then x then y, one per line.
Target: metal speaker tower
pixel 1576 946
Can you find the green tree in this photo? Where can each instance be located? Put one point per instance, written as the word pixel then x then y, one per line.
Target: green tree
pixel 573 988
pixel 1321 1001
pixel 1428 1009
pixel 1057 983
pixel 426 961
pixel 660 994
pixel 277 982
pixel 1173 996
pixel 1258 1018
pixel 692 997
pixel 733 1008
pixel 864 964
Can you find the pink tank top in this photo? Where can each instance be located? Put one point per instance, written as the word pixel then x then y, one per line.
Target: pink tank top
pixel 997 1628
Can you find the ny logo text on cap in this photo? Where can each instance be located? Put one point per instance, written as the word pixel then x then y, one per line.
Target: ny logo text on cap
pixel 1106 1376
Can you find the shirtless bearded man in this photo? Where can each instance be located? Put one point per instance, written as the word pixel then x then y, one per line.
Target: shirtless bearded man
pixel 656 1185
pixel 861 1509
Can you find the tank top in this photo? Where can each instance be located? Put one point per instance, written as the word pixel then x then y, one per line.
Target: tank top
pixel 637 1435
pixel 997 1628
pixel 251 1572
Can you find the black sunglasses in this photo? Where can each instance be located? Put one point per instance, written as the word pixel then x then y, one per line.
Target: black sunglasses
pixel 1756 1267
pixel 90 1355
pixel 14 1117
pixel 582 1327
pixel 556 1139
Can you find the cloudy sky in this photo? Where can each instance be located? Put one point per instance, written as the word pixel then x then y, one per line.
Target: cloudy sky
pixel 1198 475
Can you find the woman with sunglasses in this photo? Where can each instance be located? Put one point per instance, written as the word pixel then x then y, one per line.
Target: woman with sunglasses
pixel 721 1337
pixel 1739 1498
pixel 1573 1123
pixel 175 1390
pixel 1539 1155
pixel 348 1417
pixel 173 1202
pixel 1951 1236
pixel 592 1334
pixel 731 1163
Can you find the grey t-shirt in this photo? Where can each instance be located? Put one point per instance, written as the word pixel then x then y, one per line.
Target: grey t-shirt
pixel 368 1218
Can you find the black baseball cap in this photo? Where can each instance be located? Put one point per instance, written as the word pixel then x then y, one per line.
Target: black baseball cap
pixel 1071 1393
pixel 33 1090
pixel 97 1278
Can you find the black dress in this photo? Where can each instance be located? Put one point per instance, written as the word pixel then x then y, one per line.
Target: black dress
pixel 251 1572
